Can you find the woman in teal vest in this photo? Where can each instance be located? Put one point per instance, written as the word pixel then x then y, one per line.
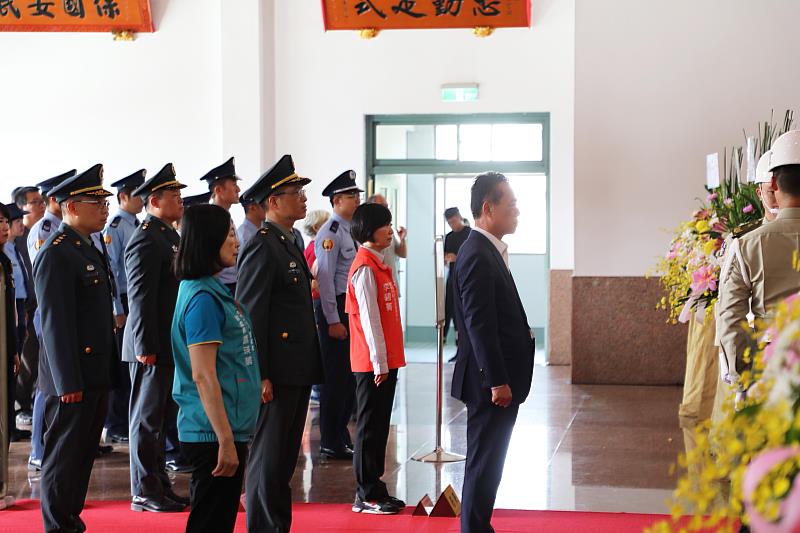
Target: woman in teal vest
pixel 217 381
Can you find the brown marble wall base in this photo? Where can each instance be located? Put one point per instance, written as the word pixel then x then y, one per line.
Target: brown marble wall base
pixel 559 319
pixel 618 337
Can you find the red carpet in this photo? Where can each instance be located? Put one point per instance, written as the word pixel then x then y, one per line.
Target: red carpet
pixel 116 517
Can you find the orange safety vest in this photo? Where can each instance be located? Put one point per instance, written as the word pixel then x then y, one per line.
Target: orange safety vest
pixel 390 315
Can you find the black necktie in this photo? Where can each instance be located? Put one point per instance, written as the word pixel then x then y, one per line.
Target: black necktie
pixel 136 222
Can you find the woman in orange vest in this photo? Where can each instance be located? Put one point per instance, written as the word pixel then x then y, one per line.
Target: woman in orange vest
pixel 376 352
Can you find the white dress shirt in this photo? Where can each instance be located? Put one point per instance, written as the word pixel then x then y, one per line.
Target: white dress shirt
pixel 500 245
pixel 366 292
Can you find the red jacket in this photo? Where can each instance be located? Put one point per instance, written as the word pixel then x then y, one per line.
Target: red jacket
pixel 389 311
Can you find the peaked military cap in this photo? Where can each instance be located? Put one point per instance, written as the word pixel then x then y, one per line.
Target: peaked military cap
pixel 344 182
pixel 282 173
pixel 15 212
pixel 164 180
pixel 225 170
pixel 133 181
pixel 87 183
pixel 197 199
pixel 47 185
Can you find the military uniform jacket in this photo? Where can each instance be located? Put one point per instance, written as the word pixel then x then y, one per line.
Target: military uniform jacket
pixel 761 273
pixel 275 288
pixel 73 288
pixel 152 291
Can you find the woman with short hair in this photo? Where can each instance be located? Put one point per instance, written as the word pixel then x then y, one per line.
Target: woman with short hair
pixel 376 352
pixel 217 382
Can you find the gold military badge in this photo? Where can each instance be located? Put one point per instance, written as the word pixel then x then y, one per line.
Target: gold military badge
pixel 327 245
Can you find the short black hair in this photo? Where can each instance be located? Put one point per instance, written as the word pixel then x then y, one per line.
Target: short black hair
pixel 127 189
pixel 788 178
pixel 367 219
pixel 4 212
pixel 451 212
pixel 21 194
pixel 220 182
pixel 485 189
pixel 204 229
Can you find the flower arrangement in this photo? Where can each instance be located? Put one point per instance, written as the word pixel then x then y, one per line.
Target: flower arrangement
pixel 746 465
pixel 689 272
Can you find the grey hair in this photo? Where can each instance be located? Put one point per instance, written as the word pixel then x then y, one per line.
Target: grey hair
pixel 313 220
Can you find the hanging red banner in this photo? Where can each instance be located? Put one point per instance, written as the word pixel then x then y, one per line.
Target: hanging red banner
pixel 76 15
pixel 425 14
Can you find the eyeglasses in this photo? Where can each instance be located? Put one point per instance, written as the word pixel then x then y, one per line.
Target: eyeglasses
pixel 36 202
pixel 102 204
pixel 301 193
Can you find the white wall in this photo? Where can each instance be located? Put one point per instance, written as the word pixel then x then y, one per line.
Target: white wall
pixel 659 85
pixel 327 82
pixel 70 100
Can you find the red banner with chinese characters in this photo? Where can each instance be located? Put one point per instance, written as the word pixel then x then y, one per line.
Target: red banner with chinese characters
pixel 76 15
pixel 420 14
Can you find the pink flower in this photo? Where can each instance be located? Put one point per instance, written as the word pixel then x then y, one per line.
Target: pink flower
pixel 703 280
pixel 728 201
pixel 748 208
pixel 711 197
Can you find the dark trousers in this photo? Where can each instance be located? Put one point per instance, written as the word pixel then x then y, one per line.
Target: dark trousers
pixel 374 413
pixel 38 425
pixel 449 304
pixel 338 394
pixel 29 366
pixel 70 444
pixel 119 398
pixel 273 458
pixel 151 409
pixel 214 500
pixel 489 430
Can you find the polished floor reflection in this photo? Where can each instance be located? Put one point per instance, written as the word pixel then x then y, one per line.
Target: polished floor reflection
pixel 588 448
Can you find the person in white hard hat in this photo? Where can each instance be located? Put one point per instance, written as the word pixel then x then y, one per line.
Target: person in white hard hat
pixel 764 188
pixel 761 272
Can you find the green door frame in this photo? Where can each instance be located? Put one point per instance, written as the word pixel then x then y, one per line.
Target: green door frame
pixel 375 166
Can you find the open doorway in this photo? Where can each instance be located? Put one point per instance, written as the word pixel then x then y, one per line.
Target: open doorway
pixel 424 164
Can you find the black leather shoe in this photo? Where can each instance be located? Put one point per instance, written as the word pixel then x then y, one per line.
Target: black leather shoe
pixel 104 449
pixel 343 454
pixel 116 438
pixel 17 435
pixel 397 502
pixel 170 494
pixel 176 465
pixel 155 505
pixel 35 464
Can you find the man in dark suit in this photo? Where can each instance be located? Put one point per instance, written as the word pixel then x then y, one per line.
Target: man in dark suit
pixel 147 345
pixel 76 369
pixel 275 287
pixel 494 365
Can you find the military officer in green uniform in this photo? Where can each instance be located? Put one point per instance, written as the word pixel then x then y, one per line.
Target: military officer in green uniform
pixel 275 287
pixel 77 367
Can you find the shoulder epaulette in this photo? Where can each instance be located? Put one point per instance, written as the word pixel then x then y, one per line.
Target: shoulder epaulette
pixel 58 239
pixel 46 225
pixel 746 228
pixel 334 226
pixel 115 222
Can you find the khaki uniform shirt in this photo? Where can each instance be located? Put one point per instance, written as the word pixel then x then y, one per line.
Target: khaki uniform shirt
pixel 760 275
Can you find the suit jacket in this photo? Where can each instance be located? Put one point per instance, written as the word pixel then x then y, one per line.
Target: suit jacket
pixel 73 289
pixel 275 287
pixel 152 291
pixel 21 243
pixel 495 345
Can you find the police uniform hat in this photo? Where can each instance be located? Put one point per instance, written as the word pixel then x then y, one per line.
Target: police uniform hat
pixel 282 173
pixel 197 199
pixel 224 171
pixel 131 182
pixel 15 212
pixel 47 185
pixel 344 182
pixel 87 183
pixel 164 180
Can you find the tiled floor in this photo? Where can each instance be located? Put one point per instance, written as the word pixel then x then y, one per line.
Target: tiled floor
pixel 588 448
